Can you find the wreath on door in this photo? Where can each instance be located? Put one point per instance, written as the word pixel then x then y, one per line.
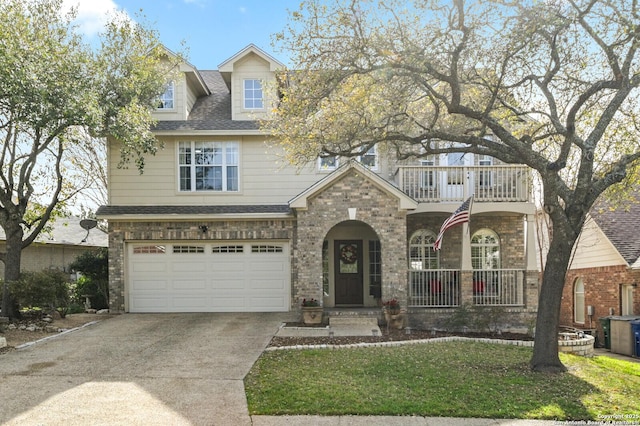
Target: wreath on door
pixel 349 254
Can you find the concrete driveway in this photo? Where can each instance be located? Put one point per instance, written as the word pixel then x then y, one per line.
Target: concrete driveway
pixel 177 369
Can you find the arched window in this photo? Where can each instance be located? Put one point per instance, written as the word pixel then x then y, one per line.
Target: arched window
pixel 421 253
pixel 485 250
pixel 578 301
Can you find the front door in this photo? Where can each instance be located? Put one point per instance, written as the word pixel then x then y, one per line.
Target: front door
pixel 455 176
pixel 348 272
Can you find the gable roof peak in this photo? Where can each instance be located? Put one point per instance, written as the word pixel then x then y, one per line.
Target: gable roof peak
pixel 300 201
pixel 274 64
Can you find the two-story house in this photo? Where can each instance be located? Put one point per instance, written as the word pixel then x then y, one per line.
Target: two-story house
pixel 219 221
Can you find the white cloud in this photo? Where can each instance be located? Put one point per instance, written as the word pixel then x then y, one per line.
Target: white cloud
pixel 92 14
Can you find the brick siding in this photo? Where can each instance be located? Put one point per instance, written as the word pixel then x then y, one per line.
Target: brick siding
pixel 602 290
pixel 329 208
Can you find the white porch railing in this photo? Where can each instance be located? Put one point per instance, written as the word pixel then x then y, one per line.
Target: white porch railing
pixel 434 288
pixel 457 183
pixel 442 288
pixel 499 287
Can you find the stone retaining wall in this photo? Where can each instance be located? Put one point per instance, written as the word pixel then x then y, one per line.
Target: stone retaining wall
pixel 582 346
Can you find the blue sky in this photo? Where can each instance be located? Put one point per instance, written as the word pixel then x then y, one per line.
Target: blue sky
pixel 213 30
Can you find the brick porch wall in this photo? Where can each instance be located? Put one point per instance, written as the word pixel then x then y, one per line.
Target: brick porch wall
pixel 601 290
pixel 236 230
pixel 329 208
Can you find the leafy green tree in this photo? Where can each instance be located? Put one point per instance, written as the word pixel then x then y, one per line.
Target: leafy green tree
pixel 55 89
pixel 94 266
pixel 550 84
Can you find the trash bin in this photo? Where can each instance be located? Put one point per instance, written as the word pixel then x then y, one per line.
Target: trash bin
pixel 605 322
pixel 635 329
pixel 621 336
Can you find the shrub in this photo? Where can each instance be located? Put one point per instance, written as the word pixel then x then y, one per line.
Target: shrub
pixel 46 290
pixel 94 267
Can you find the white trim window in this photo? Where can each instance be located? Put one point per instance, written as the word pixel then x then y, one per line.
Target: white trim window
pixel 328 163
pixel 578 301
pixel 485 250
pixel 252 89
pixel 421 253
pixel 167 99
pixel 370 158
pixel 208 166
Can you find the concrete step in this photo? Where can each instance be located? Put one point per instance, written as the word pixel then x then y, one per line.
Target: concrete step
pixel 335 321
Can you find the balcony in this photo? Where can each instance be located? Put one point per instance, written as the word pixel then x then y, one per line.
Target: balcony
pixel 431 184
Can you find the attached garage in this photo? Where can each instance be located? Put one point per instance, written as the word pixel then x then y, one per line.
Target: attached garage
pixel 208 277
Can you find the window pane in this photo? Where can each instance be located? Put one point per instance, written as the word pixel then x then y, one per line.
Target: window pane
pixel 485 250
pixel 232 154
pixel 205 153
pixel 166 99
pixel 328 163
pixel 579 301
pixel 370 158
pixel 185 153
pixel 232 178
pixel 205 178
pixel 421 253
pixel 185 178
pixel 252 94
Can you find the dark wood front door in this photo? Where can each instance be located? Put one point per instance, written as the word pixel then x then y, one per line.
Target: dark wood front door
pixel 348 272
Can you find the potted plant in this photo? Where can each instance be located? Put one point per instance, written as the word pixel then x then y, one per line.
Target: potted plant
pixel 393 315
pixel 311 311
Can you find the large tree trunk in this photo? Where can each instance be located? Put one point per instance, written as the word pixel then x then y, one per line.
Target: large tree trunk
pixel 11 268
pixel 545 351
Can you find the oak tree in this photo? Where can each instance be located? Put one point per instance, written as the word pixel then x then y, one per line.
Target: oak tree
pixel 55 89
pixel 550 84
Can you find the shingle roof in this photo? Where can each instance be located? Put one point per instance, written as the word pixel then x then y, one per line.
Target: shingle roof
pixel 620 225
pixel 67 231
pixel 211 112
pixel 192 210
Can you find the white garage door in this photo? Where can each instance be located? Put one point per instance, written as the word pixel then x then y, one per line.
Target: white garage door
pixel 211 277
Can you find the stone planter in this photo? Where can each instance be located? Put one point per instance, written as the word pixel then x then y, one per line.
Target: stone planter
pixel 576 344
pixel 394 319
pixel 312 315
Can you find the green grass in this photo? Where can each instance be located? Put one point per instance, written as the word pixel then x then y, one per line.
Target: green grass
pixel 452 379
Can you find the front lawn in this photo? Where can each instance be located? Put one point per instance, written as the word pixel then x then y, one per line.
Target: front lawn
pixel 449 379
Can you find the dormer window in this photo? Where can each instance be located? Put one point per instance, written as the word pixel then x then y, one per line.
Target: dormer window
pixel 167 98
pixel 253 94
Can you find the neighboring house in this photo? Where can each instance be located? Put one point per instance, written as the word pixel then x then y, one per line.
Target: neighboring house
pixel 58 248
pixel 604 274
pixel 219 222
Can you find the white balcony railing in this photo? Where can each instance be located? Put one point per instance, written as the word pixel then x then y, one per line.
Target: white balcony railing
pixel 442 288
pixel 457 183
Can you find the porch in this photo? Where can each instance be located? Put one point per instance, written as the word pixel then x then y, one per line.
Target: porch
pixel 493 183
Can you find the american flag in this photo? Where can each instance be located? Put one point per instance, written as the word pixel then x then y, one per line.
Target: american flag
pixel 461 215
